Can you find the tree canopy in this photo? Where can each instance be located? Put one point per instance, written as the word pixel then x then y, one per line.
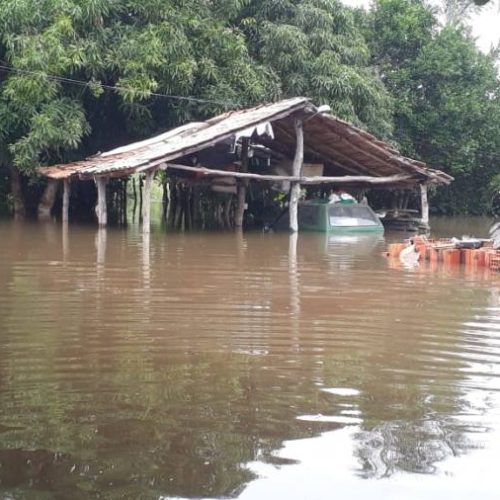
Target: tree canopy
pixel 317 49
pixel 79 76
pixel 447 98
pixel 141 47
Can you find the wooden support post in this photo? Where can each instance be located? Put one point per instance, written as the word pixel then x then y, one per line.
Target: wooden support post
pixel 65 240
pixel 242 186
pixel 395 203
pixel 65 206
pixel 125 199
pixel 297 171
pixel 164 199
pixel 101 208
pixel 134 190
pixel 424 204
pixel 146 204
pixel 227 212
pixel 195 204
pixel 141 183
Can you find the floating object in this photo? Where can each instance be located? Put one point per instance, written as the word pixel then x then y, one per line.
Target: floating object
pixel 470 252
pixel 341 391
pixel 403 220
pixel 471 243
pixel 410 254
pixel 495 235
pixel 451 257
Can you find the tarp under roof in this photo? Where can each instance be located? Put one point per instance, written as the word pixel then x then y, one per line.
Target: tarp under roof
pixel 326 138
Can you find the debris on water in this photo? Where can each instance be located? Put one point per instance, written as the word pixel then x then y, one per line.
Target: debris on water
pixel 341 391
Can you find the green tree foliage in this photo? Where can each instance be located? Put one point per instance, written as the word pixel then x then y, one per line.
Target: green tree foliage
pixel 316 49
pixel 393 71
pixel 447 98
pixel 141 46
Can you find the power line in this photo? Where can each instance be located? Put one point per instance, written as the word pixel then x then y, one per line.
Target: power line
pixel 82 83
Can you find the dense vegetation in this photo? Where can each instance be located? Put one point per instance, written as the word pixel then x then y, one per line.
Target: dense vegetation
pixel 393 70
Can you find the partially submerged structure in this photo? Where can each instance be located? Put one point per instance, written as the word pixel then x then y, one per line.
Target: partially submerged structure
pixel 277 143
pixel 342 218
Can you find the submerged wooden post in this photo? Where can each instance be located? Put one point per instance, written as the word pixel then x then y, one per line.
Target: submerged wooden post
pixel 297 169
pixel 124 201
pixel 242 186
pixel 101 208
pixel 424 204
pixel 146 203
pixel 134 190
pixel 65 207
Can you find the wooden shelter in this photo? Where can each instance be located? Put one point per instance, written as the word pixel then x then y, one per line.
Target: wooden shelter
pixel 292 130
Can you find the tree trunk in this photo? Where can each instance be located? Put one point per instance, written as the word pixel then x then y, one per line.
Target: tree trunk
pixel 17 193
pixel 48 199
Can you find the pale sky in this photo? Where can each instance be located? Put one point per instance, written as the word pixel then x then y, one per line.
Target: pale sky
pixel 485 24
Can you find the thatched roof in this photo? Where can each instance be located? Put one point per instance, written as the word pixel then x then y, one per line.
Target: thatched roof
pixel 331 140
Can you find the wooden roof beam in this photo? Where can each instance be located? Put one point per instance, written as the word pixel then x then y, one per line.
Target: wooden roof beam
pixel 343 179
pixel 354 167
pixel 378 153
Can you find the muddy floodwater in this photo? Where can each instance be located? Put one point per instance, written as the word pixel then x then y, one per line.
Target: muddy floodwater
pixel 255 366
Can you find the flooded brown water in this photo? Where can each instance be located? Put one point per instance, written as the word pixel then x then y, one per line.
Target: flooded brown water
pixel 252 366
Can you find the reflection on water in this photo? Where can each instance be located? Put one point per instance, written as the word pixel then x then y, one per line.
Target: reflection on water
pixel 251 365
pixel 413 446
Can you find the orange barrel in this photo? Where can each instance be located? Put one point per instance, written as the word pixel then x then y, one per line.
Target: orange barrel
pixel 395 249
pixel 480 257
pixel 488 254
pixel 469 257
pixel 428 252
pixel 451 257
pixel 462 256
pixel 422 249
pixel 435 255
pixel 495 262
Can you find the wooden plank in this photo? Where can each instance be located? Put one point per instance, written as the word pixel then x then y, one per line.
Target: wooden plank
pixel 191 146
pixel 346 163
pixel 424 204
pixel 242 186
pixel 344 179
pixel 65 207
pixel 146 204
pixel 379 153
pixel 101 209
pixel 298 161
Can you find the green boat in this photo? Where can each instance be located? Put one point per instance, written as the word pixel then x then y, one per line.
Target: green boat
pixel 343 217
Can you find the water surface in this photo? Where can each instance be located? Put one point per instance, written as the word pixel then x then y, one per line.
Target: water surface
pixel 253 366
